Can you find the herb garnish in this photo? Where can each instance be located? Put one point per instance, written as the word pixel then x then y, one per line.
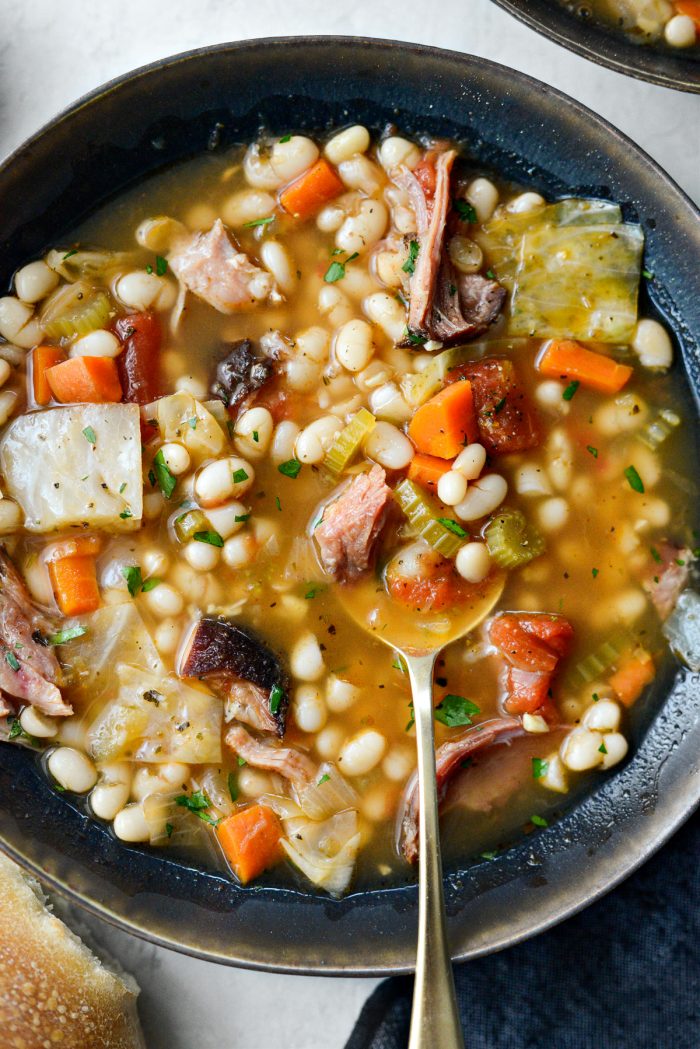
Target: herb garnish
pixel 210 537
pixel 12 660
pixel 239 476
pixel 456 710
pixel 276 696
pixel 291 468
pixel 69 254
pixel 592 450
pixel 452 526
pixel 324 779
pixel 500 406
pixel 410 263
pixel 336 270
pixel 68 634
pixel 285 138
pixel 259 222
pixel 161 266
pixel 570 390
pixel 240 518
pixel 166 480
pixel 655 554
pixel 465 210
pixel 232 786
pixel 602 749
pixel 594 572
pixel 634 480
pixel 539 768
pixel 196 803
pixel 539 821
pixel 134 579
pixel 90 435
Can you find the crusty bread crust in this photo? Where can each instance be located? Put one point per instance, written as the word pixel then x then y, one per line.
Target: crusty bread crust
pixel 54 992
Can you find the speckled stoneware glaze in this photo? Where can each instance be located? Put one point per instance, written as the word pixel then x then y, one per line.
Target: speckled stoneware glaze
pixel 571 25
pixel 207 100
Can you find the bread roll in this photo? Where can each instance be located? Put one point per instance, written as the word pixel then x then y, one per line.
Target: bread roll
pixel 54 992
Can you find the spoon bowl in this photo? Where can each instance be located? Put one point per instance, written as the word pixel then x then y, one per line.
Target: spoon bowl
pixel 419 638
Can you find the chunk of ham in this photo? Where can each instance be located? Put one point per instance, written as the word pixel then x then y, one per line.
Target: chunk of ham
pixel 506 420
pixel 448 761
pixel 667 578
pixel 240 668
pixel 444 304
pixel 532 644
pixel 211 267
pixel 271 756
pixel 351 525
pixel 29 670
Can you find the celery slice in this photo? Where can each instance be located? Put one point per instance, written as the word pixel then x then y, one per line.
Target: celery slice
pixel 656 431
pixel 75 309
pixel 348 442
pixel 190 522
pixel 606 656
pixel 423 515
pixel 418 387
pixel 511 541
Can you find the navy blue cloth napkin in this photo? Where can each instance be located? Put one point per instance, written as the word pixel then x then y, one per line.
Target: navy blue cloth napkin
pixel 623 974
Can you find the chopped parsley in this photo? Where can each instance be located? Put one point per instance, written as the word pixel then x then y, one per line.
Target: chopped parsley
pixel 285 138
pixel 161 266
pixel 415 340
pixel 488 855
pixel 656 555
pixel 539 821
pixel 500 406
pixel 239 476
pixel 539 768
pixel 241 762
pixel 166 480
pixel 256 436
pixel 592 450
pixel 634 480
pixel 278 504
pixel 241 518
pixel 17 732
pixel 324 779
pixel 192 423
pixel 134 579
pixel 122 487
pixel 68 634
pixel 490 274
pixel 70 254
pixel 410 263
pixel 169 829
pixel 232 786
pixel 259 222
pixel 152 478
pixel 291 468
pixel 12 660
pixel 90 435
pixel 126 514
pixel 209 536
pixel 594 572
pixel 602 749
pixel 313 591
pixel 412 720
pixel 336 270
pixel 196 803
pixel 647 274
pixel 465 210
pixel 456 710
pixel 150 584
pixel 276 696
pixel 570 390
pixel 452 526
pixel 399 664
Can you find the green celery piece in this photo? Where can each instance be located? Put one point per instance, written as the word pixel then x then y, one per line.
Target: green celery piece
pixel 348 442
pixel 423 515
pixel 511 541
pixel 655 432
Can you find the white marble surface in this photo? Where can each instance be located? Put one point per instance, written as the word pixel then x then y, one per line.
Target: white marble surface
pixel 50 54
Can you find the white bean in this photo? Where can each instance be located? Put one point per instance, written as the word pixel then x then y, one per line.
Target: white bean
pixel 483 497
pixel 471 461
pixel 581 750
pixel 302 374
pixel 362 753
pixel 387 402
pixel 34 281
pixel 254 432
pixel 192 385
pixel 164 600
pixel 14 316
pixel 652 344
pixel 227 519
pixel 283 440
pixel 139 290
pixel 240 550
pixel 72 731
pixel 167 636
pixel 535 723
pixel 8 403
pixel 555 777
pixel 361 231
pixel 292 156
pixel 483 197
pixel 223 479
pixel 473 562
pixel 277 260
pixel 616 747
pixel 38 724
pixel 203 557
pixel 680 31
pixel 524 203
pixel 152 505
pixel 340 694
pixel 359 172
pixel 108 799
pixel 550 395
pixel 315 439
pixel 353 345
pixel 452 487
pixel 603 716
pixel 398 764
pixel 389 447
pixel 383 310
pixel 72 769
pixel 630 604
pixel 308 708
pixel 561 459
pixel 465 254
pixel 553 514
pixel 306 659
pixel 532 480
pixel 157 234
pixel 176 456
pixel 248 205
pixel 328 742
pixel 10 516
pixel 388 266
pixel 347 143
pixel 96 344
pixel 622 415
pixel 330 218
pixel 130 824
pixel 396 152
pixel 253 782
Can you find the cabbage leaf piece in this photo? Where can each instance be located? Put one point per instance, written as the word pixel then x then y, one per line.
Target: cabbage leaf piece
pixel 580 282
pixel 77 465
pixel 155 718
pixel 181 417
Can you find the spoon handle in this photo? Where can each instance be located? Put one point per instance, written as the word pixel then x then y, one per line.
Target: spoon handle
pixel 434 1019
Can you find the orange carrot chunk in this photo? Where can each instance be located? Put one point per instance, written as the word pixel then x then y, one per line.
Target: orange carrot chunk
pixel 446 423
pixel 426 470
pixel 691 8
pixel 92 379
pixel 632 677
pixel 74 582
pixel 250 839
pixel 308 193
pixel 566 359
pixel 44 357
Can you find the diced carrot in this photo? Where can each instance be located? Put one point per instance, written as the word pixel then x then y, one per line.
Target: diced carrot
pixel 308 193
pixel 691 8
pixel 566 359
pixel 250 839
pixel 426 470
pixel 44 357
pixel 632 677
pixel 446 423
pixel 74 582
pixel 91 379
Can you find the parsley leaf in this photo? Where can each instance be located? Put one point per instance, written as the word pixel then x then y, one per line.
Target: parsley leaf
pixel 336 271
pixel 656 555
pixel 465 210
pixel 570 390
pixel 239 476
pixel 90 435
pixel 594 573
pixel 410 263
pixel 211 537
pixel 12 660
pixel 324 779
pixel 276 696
pixel 161 266
pixel 539 768
pixel 259 222
pixel 232 786
pixel 456 710
pixel 634 480
pixel 291 468
pixel 452 526
pixel 166 480
pixel 196 803
pixel 70 254
pixel 68 634
pixel 539 821
pixel 134 579
pixel 592 450
pixel 150 584
pixel 285 138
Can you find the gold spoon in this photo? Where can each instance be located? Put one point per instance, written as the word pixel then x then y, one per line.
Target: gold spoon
pixel 419 638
